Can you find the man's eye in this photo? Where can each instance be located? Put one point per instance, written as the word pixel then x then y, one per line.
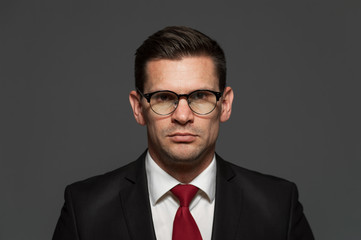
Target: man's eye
pixel 200 95
pixel 163 97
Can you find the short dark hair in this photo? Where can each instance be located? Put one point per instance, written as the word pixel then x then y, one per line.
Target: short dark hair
pixel 176 42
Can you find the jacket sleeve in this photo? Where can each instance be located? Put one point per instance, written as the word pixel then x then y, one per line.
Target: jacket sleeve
pixel 298 229
pixel 66 228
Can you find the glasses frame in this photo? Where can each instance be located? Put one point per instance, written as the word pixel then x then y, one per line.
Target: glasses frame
pixel 148 96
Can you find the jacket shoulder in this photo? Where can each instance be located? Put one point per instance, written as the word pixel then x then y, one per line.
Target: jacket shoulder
pixel 108 182
pixel 252 179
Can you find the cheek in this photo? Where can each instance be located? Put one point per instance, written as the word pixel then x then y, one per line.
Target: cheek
pixel 153 128
pixel 156 128
pixel 214 130
pixel 211 129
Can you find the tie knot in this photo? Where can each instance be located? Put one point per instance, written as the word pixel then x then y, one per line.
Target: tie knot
pixel 185 193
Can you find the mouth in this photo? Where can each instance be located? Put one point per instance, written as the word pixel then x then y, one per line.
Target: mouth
pixel 182 137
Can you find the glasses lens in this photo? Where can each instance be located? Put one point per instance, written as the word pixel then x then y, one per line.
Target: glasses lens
pixel 202 102
pixel 163 103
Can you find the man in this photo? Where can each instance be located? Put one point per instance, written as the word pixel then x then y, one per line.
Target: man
pixel 180 188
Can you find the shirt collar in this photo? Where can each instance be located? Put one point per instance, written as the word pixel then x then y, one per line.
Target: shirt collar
pixel 160 182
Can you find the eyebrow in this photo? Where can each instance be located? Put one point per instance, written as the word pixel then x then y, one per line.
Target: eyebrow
pixel 208 89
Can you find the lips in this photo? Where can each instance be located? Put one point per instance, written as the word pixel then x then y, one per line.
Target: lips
pixel 180 137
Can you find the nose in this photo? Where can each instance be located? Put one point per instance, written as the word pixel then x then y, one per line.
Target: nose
pixel 183 114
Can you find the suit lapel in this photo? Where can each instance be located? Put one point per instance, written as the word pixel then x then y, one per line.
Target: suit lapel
pixel 135 203
pixel 228 203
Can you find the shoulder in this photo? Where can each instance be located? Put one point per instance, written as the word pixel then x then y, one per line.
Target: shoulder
pixel 254 181
pixel 110 182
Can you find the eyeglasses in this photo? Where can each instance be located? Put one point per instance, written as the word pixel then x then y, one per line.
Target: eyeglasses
pixel 165 102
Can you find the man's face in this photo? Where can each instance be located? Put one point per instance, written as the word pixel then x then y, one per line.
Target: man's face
pixel 182 137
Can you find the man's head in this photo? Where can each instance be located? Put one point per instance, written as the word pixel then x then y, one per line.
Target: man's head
pixel 182 130
pixel 174 43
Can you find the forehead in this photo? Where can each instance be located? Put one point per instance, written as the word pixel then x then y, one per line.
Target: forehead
pixel 182 76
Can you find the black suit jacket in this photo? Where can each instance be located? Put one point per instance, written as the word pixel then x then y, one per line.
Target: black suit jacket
pixel 115 206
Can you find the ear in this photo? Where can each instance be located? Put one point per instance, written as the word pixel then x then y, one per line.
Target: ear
pixel 227 101
pixel 135 102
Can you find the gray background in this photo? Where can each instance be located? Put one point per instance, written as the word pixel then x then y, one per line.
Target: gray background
pixel 67 68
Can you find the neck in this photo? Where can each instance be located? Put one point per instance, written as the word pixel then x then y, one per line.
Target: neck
pixel 186 173
pixel 183 171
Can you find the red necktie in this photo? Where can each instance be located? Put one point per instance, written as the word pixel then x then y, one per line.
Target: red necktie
pixel 184 226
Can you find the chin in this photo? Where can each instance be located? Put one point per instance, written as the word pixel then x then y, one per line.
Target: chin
pixel 185 155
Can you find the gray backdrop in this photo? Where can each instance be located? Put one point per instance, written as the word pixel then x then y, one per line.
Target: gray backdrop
pixel 67 68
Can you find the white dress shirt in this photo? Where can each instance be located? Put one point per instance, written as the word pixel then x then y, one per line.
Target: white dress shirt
pixel 164 204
